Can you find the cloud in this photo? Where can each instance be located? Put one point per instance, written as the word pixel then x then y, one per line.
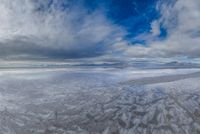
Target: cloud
pixel 181 20
pixel 64 29
pixel 155 28
pixel 55 29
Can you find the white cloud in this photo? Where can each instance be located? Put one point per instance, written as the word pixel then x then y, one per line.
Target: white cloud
pixel 29 27
pixel 155 28
pixel 182 22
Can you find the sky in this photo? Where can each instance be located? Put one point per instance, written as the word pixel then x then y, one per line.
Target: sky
pixel 76 29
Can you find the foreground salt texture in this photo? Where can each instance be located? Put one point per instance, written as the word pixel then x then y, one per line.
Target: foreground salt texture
pixel 100 102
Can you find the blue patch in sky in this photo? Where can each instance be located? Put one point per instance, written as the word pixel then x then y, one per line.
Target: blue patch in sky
pixel 141 42
pixel 136 17
pixel 163 33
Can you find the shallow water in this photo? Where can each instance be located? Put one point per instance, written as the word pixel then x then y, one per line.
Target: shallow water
pixel 100 101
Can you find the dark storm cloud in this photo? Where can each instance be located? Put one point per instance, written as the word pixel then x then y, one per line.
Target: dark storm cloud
pixel 23 47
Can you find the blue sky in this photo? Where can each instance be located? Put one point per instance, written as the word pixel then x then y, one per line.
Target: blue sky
pixel 134 15
pixel 74 29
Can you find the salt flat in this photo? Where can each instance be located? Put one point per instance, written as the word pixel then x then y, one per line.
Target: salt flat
pixel 99 101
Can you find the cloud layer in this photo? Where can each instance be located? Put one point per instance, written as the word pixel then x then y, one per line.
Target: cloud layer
pixel 53 28
pixel 181 19
pixel 64 29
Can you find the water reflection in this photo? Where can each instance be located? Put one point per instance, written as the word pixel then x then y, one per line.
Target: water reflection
pixel 85 101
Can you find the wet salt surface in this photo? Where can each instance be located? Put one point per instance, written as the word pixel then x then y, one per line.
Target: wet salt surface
pixel 99 102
